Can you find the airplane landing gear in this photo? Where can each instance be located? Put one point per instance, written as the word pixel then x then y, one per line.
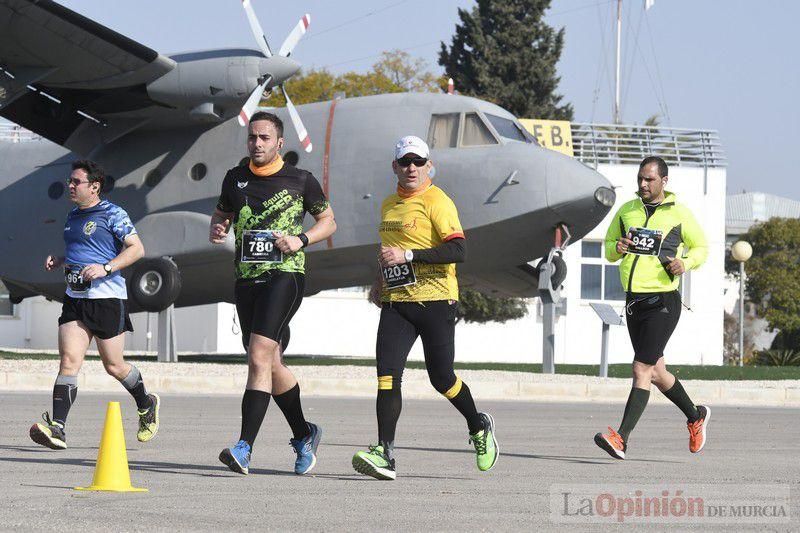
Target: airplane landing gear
pixel 155 284
pixel 552 273
pixel 154 287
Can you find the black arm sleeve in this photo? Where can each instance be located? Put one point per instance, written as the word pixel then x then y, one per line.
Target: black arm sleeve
pixel 452 251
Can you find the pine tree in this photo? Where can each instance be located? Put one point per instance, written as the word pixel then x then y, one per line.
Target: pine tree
pixel 504 52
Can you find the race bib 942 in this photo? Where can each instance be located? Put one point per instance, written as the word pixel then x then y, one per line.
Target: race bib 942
pixel 645 241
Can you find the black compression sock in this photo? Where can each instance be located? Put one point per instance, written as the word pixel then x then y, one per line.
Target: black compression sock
pixel 388 407
pixel 637 401
pixel 678 396
pixel 289 403
pixel 465 404
pixel 133 384
pixel 254 408
pixel 65 391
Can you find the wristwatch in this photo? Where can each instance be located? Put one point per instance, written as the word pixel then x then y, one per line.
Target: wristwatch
pixel 107 267
pixel 304 239
pixel 409 255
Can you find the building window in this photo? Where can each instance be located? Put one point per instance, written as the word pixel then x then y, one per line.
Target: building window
pixel 6 307
pixel 599 279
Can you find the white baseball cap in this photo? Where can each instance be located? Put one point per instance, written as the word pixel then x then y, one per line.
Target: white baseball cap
pixel 411 145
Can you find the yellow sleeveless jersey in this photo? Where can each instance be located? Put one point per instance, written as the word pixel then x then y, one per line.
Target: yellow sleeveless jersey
pixel 419 221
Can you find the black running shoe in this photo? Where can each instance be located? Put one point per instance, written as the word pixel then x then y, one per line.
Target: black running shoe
pixel 149 419
pixel 50 434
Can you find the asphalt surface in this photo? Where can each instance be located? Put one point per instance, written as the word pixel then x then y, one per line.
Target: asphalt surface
pixel 438 486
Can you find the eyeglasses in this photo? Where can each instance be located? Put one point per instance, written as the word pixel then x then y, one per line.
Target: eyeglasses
pixel 75 182
pixel 416 161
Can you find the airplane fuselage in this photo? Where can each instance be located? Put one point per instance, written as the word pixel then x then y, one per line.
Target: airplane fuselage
pixel 510 195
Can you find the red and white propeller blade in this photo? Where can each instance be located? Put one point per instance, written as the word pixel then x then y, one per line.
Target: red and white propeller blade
pixel 255 26
pixel 302 134
pixel 251 104
pixel 294 37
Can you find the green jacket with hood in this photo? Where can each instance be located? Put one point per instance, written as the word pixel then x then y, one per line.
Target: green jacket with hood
pixel 682 237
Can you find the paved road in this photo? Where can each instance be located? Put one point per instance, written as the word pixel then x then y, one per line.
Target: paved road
pixel 438 487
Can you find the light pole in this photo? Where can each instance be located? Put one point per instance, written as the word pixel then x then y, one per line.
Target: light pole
pixel 741 251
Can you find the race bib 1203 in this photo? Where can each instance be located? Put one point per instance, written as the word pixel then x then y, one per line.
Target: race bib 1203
pixel 399 275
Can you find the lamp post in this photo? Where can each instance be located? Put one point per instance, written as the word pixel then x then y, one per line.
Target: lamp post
pixel 741 251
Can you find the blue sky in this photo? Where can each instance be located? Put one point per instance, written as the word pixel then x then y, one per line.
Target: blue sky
pixel 712 64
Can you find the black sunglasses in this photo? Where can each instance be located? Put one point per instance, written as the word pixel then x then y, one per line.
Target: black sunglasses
pixel 416 161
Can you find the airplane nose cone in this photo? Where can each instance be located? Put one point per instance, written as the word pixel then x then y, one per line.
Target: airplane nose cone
pixel 279 67
pixel 579 194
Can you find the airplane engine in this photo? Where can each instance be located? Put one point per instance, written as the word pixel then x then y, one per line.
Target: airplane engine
pixel 213 84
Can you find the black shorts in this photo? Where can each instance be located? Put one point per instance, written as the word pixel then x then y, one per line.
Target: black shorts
pixel 104 317
pixel 400 325
pixel 651 320
pixel 266 304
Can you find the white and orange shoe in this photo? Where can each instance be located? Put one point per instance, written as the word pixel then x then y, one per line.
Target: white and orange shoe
pixel 698 429
pixel 612 443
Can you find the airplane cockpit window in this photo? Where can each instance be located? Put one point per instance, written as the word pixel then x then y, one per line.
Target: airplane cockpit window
pixel 475 132
pixel 443 132
pixel 509 129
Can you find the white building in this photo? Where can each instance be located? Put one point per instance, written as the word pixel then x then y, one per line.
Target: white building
pixel 343 323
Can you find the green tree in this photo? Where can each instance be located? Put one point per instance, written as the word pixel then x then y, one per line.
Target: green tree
pixel 395 72
pixel 773 277
pixel 504 52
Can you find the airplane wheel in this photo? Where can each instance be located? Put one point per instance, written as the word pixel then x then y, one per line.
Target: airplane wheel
pixel 560 273
pixel 155 284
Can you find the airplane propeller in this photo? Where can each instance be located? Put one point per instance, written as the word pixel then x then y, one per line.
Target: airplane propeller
pixel 286 48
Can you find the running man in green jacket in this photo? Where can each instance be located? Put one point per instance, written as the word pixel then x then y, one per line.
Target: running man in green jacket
pixel 657 239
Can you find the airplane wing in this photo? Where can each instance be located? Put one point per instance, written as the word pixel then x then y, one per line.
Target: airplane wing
pixel 62 73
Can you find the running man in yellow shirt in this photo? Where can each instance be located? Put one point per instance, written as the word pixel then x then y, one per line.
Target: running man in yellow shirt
pixel 421 240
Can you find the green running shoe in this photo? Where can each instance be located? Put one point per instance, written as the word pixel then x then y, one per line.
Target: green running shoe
pixel 486 447
pixel 149 420
pixel 375 463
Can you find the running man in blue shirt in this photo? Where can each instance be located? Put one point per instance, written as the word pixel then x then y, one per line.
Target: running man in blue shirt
pixel 100 241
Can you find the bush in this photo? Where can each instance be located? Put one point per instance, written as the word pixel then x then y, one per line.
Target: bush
pixel 775 358
pixel 477 307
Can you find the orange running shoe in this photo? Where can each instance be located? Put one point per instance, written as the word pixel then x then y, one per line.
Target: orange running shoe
pixel 612 443
pixel 697 429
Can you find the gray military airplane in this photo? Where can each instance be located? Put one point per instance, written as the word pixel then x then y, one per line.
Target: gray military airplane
pixel 166 129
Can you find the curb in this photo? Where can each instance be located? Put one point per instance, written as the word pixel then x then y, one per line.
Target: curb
pixel 593 390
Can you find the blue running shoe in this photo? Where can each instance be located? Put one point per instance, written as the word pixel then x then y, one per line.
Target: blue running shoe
pixel 306 450
pixel 237 458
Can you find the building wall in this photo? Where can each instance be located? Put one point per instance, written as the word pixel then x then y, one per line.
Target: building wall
pixel 343 323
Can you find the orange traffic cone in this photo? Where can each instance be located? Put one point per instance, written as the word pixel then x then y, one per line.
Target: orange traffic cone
pixel 111 472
